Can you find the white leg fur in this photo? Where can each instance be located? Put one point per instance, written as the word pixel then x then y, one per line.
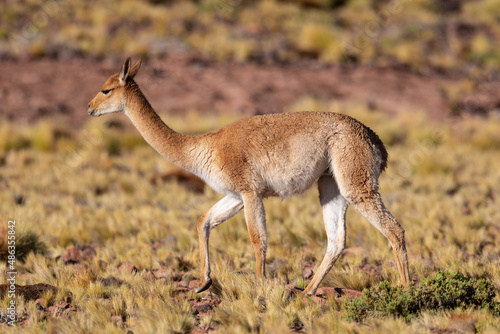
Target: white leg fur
pixel 334 209
pixel 220 212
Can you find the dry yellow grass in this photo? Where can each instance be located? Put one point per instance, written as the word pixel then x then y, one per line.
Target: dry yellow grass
pixel 92 188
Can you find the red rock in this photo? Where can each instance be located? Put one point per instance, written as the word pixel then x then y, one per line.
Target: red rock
pixel 117 320
pixel 162 273
pixel 63 305
pixel 128 268
pixel 150 276
pixel 103 265
pixel 157 245
pixel 202 307
pixel 40 302
pixel 328 292
pixel 52 310
pixel 88 252
pixel 193 284
pixel 349 293
pixel 308 273
pixel 72 255
pixel 324 293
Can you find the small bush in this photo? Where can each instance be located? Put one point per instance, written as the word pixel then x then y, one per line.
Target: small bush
pixel 443 291
pixel 25 243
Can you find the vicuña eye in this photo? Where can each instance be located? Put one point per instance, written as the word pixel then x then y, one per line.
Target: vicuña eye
pixel 106 91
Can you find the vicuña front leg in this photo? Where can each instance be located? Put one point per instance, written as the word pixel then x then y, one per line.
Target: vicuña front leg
pixel 255 217
pixel 220 212
pixel 334 208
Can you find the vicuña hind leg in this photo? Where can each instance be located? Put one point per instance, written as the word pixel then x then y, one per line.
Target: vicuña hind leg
pixel 373 209
pixel 220 212
pixel 255 217
pixel 334 208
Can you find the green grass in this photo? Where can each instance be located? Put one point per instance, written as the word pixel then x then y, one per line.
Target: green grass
pixel 93 188
pixel 437 293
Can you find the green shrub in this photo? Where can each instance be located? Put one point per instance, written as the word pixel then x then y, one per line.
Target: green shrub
pixel 443 291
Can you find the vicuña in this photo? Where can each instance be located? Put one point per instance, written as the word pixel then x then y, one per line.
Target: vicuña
pixel 270 155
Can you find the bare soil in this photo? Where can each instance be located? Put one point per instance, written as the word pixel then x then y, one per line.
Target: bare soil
pixel 34 89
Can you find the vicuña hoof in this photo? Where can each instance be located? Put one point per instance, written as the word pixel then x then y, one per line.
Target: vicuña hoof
pixel 204 286
pixel 309 293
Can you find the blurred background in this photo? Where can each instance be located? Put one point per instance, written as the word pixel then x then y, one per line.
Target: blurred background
pixel 252 57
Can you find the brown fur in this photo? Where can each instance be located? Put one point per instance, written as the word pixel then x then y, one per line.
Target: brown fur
pixel 270 155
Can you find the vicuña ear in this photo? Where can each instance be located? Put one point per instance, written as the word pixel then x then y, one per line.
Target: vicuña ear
pixel 133 71
pixel 124 73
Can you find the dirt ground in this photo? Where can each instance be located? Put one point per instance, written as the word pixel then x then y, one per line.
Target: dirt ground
pixel 33 89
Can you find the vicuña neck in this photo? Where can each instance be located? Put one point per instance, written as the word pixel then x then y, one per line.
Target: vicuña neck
pixel 163 139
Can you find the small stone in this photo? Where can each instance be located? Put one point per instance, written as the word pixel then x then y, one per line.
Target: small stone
pixel 308 273
pixel 63 305
pixel 52 309
pixel 110 281
pixel 162 273
pixel 128 268
pixel 88 252
pixel 103 265
pixel 150 276
pixel 40 302
pixel 157 245
pixel 117 320
pixel 349 293
pixel 202 307
pixel 72 256
pixel 193 284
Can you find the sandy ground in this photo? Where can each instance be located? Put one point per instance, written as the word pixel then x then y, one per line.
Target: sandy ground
pixel 30 90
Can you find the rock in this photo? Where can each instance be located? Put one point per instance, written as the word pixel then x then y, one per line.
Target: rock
pixel 128 268
pixel 328 291
pixel 117 320
pixel 349 294
pixel 308 273
pixel 72 256
pixel 324 293
pixel 489 247
pixel 63 305
pixel 157 245
pixel 103 265
pixel 193 284
pixel 40 302
pixel 52 310
pixel 162 273
pixel 202 307
pixel 110 281
pixel 88 252
pixel 150 276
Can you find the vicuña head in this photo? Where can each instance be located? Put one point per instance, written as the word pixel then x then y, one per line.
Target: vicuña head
pixel 270 155
pixel 113 95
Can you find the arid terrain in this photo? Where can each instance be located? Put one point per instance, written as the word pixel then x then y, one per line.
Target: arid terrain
pixel 105 228
pixel 44 89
